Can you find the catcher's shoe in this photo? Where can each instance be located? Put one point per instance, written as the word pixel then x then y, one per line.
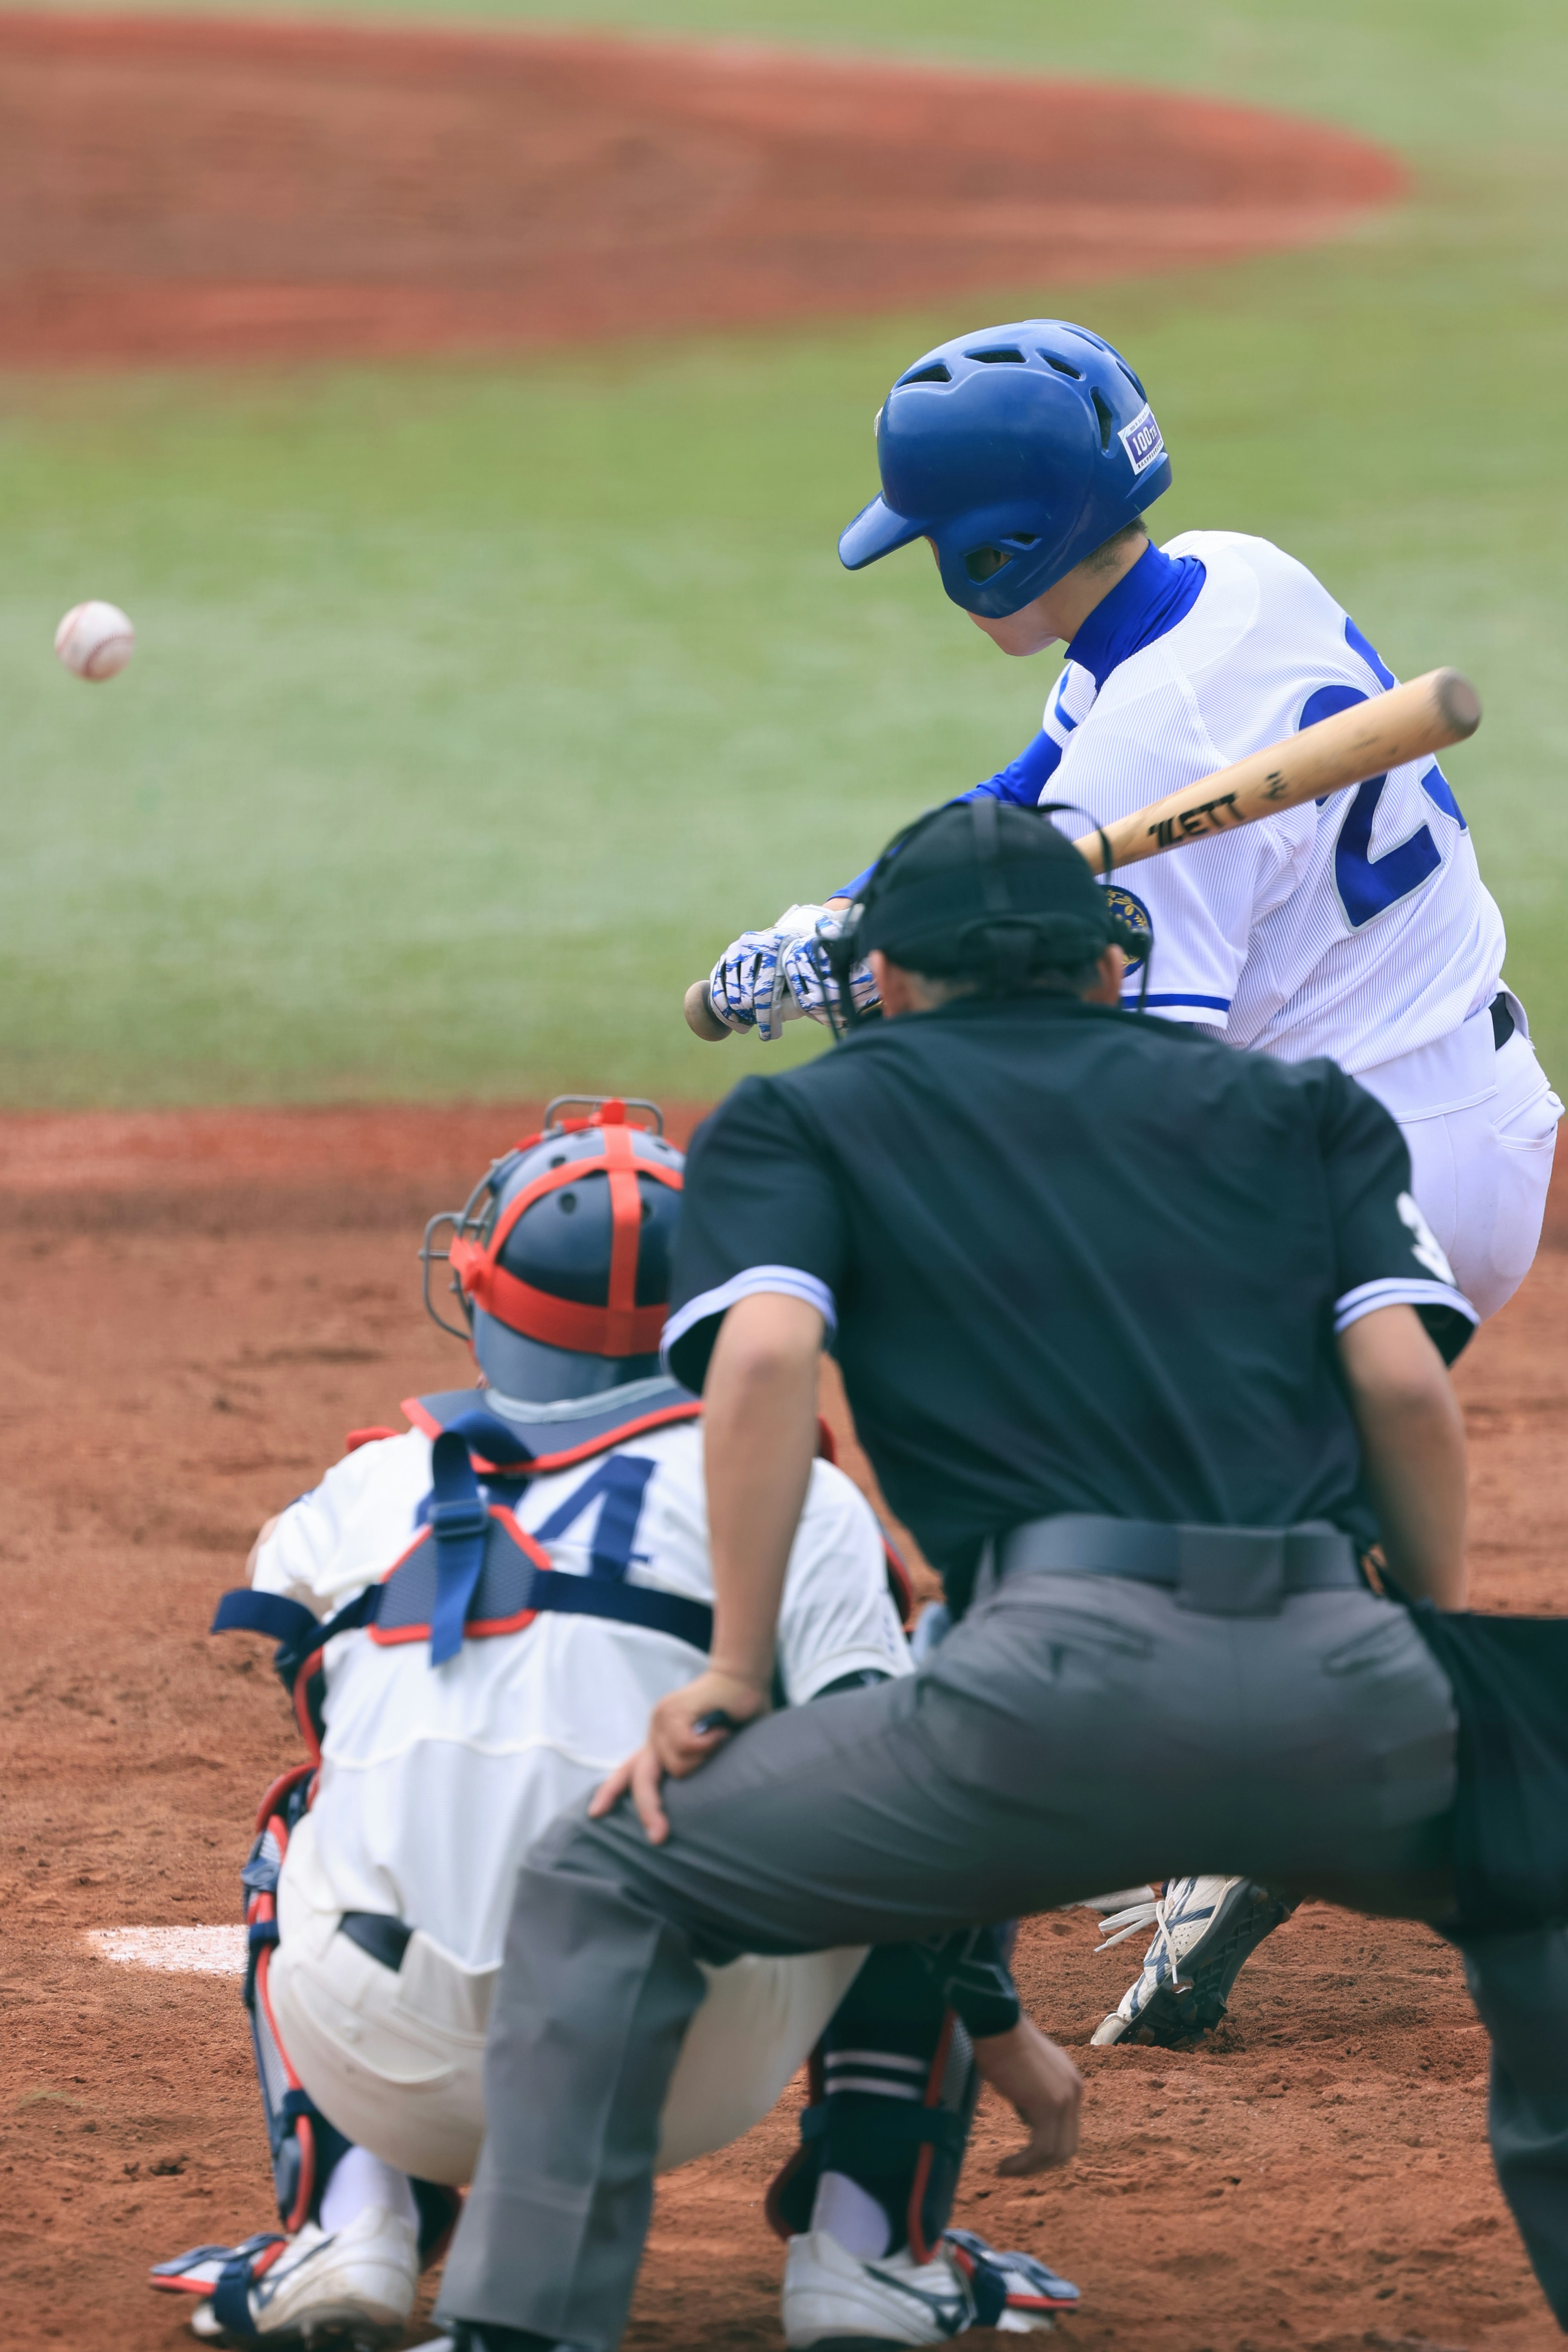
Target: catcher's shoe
pixel 833 2301
pixel 1204 1930
pixel 350 2286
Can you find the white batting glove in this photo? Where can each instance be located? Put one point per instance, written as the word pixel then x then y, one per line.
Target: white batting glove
pixel 807 975
pixel 749 987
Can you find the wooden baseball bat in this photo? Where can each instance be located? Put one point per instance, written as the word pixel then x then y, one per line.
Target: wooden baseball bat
pixel 1426 714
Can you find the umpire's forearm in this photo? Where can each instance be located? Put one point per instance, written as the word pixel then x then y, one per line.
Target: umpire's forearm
pixel 1412 1451
pixel 759 1431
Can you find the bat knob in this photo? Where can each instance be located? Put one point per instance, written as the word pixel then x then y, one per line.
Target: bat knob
pixel 700 1017
pixel 1459 702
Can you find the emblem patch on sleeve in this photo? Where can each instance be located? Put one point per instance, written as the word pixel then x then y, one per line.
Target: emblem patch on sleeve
pixel 1135 915
pixel 1424 1247
pixel 1143 440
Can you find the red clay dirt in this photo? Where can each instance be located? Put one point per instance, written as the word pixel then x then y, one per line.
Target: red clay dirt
pixel 171 189
pixel 197 1307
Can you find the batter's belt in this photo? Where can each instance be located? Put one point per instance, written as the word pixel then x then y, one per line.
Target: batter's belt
pixel 1218 1571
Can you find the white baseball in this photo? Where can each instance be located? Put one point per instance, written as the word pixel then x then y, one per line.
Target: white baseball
pixel 95 640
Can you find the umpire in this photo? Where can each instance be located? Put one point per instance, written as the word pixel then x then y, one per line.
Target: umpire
pixel 1138 1331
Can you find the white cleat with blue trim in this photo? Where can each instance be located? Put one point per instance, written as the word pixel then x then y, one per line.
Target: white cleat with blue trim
pixel 834 2302
pixel 353 2286
pixel 1204 1928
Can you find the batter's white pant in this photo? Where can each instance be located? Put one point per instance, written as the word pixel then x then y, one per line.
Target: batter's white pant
pixel 393 2056
pixel 1481 1125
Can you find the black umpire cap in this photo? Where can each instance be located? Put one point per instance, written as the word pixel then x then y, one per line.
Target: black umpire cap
pixel 983 889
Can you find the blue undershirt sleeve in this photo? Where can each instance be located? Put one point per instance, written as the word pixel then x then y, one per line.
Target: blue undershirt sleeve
pixel 1022 781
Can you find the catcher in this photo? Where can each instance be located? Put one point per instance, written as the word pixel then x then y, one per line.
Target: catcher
pixel 474 1619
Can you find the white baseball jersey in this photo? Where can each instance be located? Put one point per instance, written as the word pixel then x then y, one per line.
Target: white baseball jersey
pixel 434 1780
pixel 1359 928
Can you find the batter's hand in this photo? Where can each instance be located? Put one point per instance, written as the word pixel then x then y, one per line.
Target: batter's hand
pixel 747 989
pixel 675 1746
pixel 753 983
pixel 803 963
pixel 1044 2088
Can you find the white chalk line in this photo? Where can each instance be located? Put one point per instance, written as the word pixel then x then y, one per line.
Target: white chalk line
pixel 182 1951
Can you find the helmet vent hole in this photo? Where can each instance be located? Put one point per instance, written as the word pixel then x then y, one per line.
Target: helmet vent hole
pixel 1003 356
pixel 1062 367
pixel 1131 379
pixel 1102 410
pixel 983 562
pixel 938 372
pixel 558 1160
pixel 1026 537
pixel 568 1204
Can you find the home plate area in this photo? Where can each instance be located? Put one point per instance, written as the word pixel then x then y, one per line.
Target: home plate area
pixel 1316 2175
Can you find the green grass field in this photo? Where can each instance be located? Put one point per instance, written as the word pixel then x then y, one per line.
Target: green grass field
pixel 477 705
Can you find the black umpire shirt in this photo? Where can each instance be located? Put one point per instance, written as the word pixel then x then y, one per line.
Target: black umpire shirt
pixel 1071 1259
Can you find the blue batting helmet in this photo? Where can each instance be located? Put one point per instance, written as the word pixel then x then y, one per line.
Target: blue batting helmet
pixel 1017 451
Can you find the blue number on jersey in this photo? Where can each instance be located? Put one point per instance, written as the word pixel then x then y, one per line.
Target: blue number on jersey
pixel 623 1482
pixel 1369 886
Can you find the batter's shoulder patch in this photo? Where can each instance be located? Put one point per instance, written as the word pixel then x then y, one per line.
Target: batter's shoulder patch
pixel 1130 910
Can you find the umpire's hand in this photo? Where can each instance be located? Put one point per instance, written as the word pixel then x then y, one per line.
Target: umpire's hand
pixel 1044 2089
pixel 677 1746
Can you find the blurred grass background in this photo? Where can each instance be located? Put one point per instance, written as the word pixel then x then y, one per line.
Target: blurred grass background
pixel 477 705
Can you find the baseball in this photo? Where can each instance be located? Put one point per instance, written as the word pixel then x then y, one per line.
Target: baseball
pixel 95 640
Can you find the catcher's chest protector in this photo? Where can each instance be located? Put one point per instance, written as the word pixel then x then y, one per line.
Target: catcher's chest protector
pixel 472 1571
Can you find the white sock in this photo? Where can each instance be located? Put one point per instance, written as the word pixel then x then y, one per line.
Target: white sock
pixel 358 2179
pixel 852 2215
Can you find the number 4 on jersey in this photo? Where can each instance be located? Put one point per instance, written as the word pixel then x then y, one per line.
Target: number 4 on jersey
pixel 622 1481
pixel 1369 886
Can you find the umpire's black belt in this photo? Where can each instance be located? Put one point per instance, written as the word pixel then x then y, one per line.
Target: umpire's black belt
pixel 1218 1571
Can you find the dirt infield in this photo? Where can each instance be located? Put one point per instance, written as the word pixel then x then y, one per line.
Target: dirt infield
pixel 172 189
pixel 197 1308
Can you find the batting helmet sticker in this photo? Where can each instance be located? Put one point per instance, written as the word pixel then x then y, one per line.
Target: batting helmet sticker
pixel 1134 914
pixel 1142 439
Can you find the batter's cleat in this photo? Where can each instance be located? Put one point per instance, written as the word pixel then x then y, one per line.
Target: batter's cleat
pixel 1204 1928
pixel 353 2286
pixel 833 2301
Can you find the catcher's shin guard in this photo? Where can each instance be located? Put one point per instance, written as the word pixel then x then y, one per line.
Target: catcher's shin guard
pixel 893 2086
pixel 305 2147
pixel 303 2144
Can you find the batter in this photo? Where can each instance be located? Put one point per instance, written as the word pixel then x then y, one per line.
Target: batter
pixel 1027 455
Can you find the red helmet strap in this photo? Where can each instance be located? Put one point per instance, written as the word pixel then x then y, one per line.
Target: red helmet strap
pixel 620 1328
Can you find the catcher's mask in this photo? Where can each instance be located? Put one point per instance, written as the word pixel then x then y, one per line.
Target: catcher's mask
pixel 561 1255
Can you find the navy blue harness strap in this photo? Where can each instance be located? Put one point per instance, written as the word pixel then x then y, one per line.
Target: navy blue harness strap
pixel 291 1625
pixel 623 1604
pixel 460 1524
pixel 248 1611
pixel 298 1634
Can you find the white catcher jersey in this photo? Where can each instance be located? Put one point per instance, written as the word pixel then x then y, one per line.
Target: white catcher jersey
pixel 434 1781
pixel 1358 928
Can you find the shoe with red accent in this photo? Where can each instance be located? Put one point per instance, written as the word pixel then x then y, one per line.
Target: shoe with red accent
pixel 834 2302
pixel 353 2286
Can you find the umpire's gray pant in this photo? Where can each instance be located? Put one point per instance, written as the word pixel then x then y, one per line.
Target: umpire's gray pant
pixel 1073 1733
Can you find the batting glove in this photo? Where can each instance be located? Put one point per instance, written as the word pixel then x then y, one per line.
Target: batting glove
pixel 811 983
pixel 749 986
